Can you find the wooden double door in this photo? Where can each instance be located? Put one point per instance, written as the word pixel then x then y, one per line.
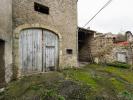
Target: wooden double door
pixel 38 51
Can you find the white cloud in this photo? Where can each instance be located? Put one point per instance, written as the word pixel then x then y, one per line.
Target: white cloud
pixel 116 17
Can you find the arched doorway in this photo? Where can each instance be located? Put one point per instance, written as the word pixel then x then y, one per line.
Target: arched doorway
pixel 38 51
pixel 2 64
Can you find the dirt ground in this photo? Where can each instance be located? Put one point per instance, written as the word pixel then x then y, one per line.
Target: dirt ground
pixel 91 82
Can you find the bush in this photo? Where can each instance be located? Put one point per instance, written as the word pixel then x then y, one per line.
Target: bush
pixel 119 65
pixel 126 95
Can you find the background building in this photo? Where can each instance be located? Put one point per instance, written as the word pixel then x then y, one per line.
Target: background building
pixel 85 36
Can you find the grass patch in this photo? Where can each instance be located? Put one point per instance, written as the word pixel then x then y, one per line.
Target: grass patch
pixel 92 82
pixel 36 86
pixel 82 76
pixel 50 86
pixel 125 74
pixel 126 95
pixel 119 65
pixel 119 87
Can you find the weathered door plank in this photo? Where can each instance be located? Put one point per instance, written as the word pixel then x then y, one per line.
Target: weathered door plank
pixel 38 50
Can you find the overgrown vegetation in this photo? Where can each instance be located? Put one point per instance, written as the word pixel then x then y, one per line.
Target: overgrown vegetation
pixel 126 95
pixel 119 65
pixel 92 82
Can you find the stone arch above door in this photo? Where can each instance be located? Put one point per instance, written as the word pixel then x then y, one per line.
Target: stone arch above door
pixel 16 56
pixel 25 26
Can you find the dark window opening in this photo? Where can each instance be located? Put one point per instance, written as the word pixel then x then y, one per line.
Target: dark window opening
pixel 41 8
pixel 69 51
pixel 81 36
pixel 2 64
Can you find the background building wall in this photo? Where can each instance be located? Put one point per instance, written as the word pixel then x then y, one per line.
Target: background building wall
pixel 101 49
pixel 6 34
pixel 62 17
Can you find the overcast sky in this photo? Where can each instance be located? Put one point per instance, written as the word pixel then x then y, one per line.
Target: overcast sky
pixel 116 17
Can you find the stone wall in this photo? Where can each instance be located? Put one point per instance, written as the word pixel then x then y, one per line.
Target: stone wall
pixel 101 49
pixel 6 35
pixel 121 49
pixel 100 44
pixel 105 51
pixel 62 20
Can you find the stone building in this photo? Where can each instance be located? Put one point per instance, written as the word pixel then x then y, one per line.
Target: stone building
pixel 37 36
pixel 105 49
pixel 101 48
pixel 123 48
pixel 5 41
pixel 121 52
pixel 129 39
pixel 85 36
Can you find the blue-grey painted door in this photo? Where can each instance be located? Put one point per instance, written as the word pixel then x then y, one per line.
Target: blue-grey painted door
pixel 38 51
pixel 50 50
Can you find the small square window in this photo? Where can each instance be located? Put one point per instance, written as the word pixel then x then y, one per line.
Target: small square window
pixel 69 51
pixel 41 8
